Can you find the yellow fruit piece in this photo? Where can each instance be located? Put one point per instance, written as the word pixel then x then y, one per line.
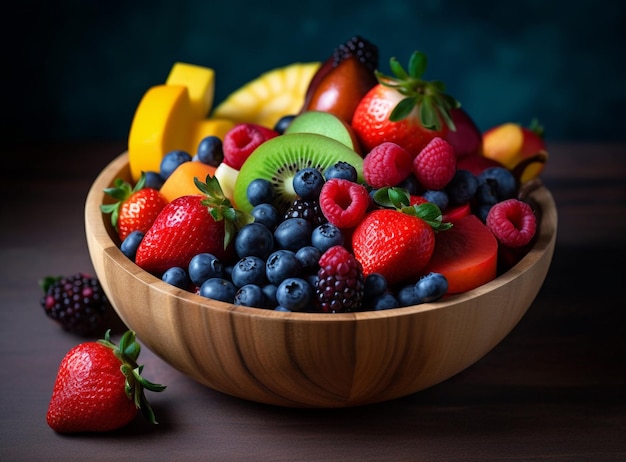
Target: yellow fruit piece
pixel 503 144
pixel 160 125
pixel 269 97
pixel 173 116
pixel 181 181
pixel 201 84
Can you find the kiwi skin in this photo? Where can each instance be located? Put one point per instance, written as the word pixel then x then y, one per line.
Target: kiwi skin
pixel 278 160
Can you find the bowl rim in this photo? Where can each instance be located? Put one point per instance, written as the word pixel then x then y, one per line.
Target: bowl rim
pixel 98 227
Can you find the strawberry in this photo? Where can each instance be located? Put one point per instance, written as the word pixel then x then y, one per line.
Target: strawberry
pixel 136 207
pixel 99 387
pixel 189 225
pixel 397 242
pixel 404 109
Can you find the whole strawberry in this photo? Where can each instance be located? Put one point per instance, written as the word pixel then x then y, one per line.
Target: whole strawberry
pixel 189 225
pixel 404 108
pixel 397 242
pixel 136 207
pixel 99 387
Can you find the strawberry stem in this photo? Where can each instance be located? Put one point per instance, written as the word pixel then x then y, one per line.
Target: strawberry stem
pixel 399 198
pixel 221 208
pixel 127 352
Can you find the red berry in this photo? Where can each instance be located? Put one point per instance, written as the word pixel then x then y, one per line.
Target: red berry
pixel 241 140
pixel 512 222
pixel 387 165
pixel 340 281
pixel 435 165
pixel 417 200
pixel 344 202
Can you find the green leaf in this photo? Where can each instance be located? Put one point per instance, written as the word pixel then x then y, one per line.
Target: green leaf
pixel 417 64
pixel 397 69
pixel 403 109
pixel 431 214
pixel 428 115
pixel 392 197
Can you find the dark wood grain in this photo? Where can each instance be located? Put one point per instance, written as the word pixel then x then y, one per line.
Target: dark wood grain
pixel 554 389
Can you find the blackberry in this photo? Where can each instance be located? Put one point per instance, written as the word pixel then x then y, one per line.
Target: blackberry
pixel 76 302
pixel 363 50
pixel 340 284
pixel 308 209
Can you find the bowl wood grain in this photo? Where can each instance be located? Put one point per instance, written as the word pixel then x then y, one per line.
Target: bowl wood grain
pixel 305 359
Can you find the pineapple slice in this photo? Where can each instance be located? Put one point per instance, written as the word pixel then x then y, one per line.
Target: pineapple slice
pixel 269 97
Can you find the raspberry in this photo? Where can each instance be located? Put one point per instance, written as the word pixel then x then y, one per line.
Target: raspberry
pixel 435 165
pixel 76 302
pixel 307 209
pixel 343 202
pixel 512 222
pixel 241 140
pixel 340 282
pixel 386 165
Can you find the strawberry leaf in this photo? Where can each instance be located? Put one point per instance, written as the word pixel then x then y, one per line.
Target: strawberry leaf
pixel 397 69
pixel 392 197
pixel 417 64
pixel 403 109
pixel 430 213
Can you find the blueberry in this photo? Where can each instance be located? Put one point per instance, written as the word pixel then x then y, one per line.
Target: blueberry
pixel 249 270
pixel 260 191
pixel 482 211
pixel 131 243
pixel 307 183
pixel 437 197
pixel 177 277
pixel 250 295
pixel 501 181
pixel 171 161
pixel 204 266
pixel 411 184
pixel 293 233
pixel 385 301
pixel 269 290
pixel 280 265
pixel 342 170
pixel 283 123
pixel 431 287
pixel 309 257
pixel 462 187
pixel 267 215
pixel 255 240
pixel 154 180
pixel 210 151
pixel 485 194
pixel 326 236
pixel 407 296
pixel 295 294
pixel 218 289
pixel 375 284
pixel 282 308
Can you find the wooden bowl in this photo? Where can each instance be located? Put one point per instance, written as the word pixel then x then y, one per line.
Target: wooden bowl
pixel 313 360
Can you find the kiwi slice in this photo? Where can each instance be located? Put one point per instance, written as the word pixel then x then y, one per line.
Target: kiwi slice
pixel 278 160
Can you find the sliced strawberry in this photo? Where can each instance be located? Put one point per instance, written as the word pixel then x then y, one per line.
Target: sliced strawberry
pixel 466 254
pixel 454 214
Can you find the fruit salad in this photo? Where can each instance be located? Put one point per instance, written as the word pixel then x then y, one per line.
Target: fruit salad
pixel 326 186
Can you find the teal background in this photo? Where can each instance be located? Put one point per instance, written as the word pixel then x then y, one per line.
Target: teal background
pixel 76 70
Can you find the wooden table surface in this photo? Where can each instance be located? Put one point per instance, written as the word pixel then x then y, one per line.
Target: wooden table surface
pixel 554 389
